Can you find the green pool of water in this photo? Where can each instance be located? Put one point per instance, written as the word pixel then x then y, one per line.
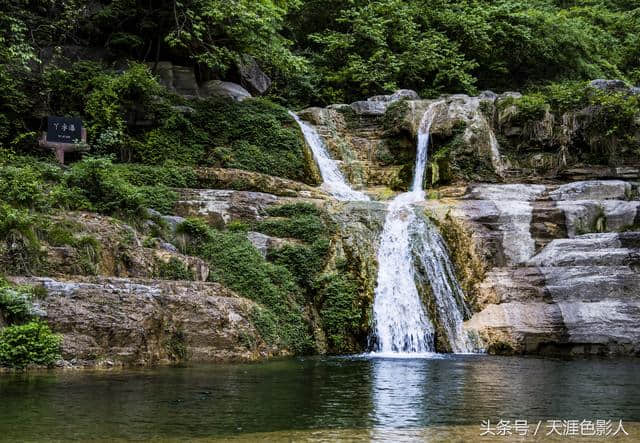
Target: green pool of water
pixel 327 398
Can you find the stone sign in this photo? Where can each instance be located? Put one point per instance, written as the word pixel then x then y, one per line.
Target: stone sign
pixel 64 134
pixel 64 130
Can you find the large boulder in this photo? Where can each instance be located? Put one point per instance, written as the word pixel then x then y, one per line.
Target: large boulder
pixel 252 77
pixel 400 94
pixel 184 81
pixel 179 79
pixel 218 88
pixel 220 206
pixel 377 105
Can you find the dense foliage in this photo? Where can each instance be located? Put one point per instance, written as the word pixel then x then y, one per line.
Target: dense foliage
pixel 317 50
pixel 93 184
pixel 239 266
pixel 30 343
pixel 25 340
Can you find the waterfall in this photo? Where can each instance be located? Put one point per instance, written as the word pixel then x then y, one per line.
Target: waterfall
pixel 437 271
pixel 333 180
pixel 496 158
pixel 400 321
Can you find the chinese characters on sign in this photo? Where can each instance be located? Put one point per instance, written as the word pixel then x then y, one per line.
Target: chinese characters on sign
pixel 64 130
pixel 64 134
pixel 567 428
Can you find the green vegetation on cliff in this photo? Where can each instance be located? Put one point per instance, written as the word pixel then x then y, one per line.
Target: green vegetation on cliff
pixel 330 287
pixel 239 266
pixel 593 126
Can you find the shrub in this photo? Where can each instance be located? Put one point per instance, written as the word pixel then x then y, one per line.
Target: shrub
pixel 68 88
pixel 72 199
pixel 196 230
pixel 103 187
pixel 15 304
pixel 31 343
pixel 304 227
pixel 303 261
pixel 21 187
pixel 341 316
pixel 158 197
pixel 266 324
pixel 174 269
pixel 135 91
pixel 255 135
pixel 171 174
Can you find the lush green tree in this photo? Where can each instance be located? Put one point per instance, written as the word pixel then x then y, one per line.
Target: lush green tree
pixel 386 44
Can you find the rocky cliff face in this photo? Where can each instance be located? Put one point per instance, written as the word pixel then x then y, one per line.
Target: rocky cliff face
pixel 109 321
pixel 546 245
pixel 550 269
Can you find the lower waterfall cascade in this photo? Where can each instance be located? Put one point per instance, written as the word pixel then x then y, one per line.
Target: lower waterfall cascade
pixel 400 322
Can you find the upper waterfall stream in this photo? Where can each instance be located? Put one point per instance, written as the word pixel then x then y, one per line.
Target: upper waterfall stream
pixel 333 180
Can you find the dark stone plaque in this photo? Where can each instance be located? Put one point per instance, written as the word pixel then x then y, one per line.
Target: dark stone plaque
pixel 64 129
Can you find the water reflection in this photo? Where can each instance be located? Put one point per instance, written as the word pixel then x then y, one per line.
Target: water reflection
pixel 372 395
pixel 398 390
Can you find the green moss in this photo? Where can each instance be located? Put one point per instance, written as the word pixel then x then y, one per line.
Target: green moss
pixel 331 287
pixel 304 227
pixel 255 135
pixel 266 324
pixel 293 210
pixel 174 269
pixel 394 115
pixel 176 346
pixel 338 296
pixel 171 175
pixel 350 117
pixel 303 261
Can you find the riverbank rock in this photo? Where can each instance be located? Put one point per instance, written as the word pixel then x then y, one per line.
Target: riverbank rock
pixel 143 322
pixel 549 269
pixel 108 247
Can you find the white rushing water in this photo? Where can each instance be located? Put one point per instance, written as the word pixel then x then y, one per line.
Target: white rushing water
pixel 333 180
pixel 435 265
pixel 401 324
